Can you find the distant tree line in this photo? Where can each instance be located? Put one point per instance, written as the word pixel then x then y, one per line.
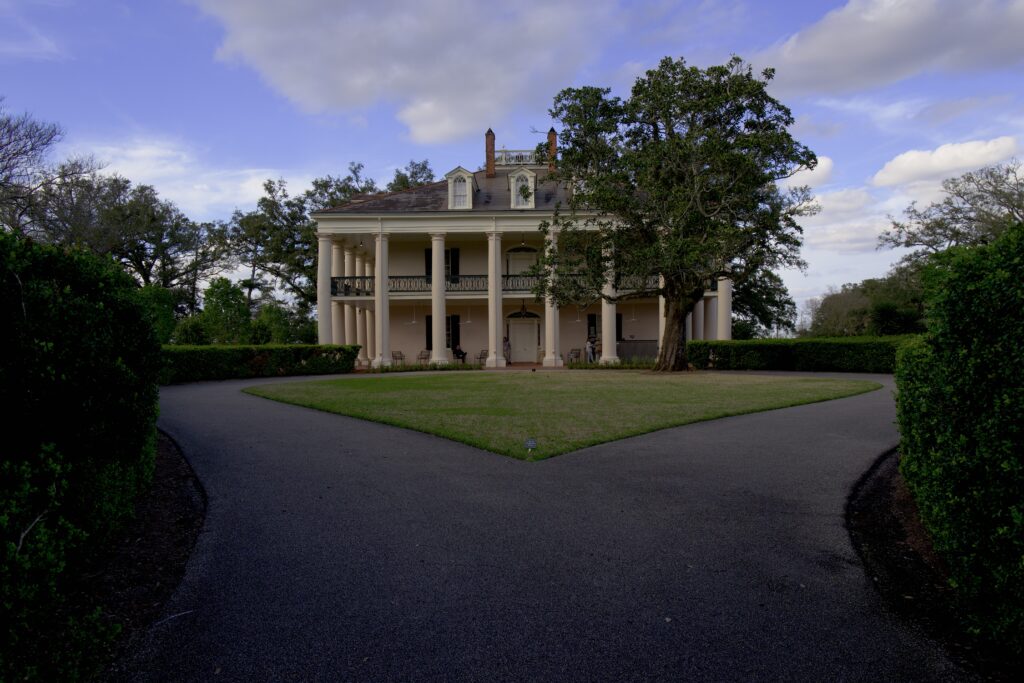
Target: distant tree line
pixel 975 210
pixel 180 263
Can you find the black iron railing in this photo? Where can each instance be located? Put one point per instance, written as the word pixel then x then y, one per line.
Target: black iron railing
pixel 519 283
pixel 408 283
pixel 352 286
pixel 466 283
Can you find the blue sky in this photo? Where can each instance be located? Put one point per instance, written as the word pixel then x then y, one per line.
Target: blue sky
pixel 204 99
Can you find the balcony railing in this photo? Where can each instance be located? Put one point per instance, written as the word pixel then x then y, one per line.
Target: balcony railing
pixel 515 157
pixel 466 283
pixel 352 286
pixel 364 285
pixel 634 282
pixel 519 283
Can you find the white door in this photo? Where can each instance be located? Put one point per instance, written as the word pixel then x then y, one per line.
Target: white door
pixel 522 336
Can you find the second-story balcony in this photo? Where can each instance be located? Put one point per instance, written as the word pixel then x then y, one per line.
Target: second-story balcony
pixel 363 286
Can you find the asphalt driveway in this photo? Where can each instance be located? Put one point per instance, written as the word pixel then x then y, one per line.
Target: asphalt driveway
pixel 336 549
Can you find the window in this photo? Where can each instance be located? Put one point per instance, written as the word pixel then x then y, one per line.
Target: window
pixel 521 199
pixel 459 195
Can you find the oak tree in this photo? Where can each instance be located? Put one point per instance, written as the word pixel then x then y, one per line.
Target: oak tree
pixel 672 188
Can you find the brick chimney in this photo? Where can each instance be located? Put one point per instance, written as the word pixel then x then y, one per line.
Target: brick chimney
pixel 552 148
pixel 489 147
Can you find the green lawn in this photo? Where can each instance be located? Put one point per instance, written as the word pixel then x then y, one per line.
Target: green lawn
pixel 563 411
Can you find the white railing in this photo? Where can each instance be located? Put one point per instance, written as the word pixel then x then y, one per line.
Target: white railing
pixel 515 157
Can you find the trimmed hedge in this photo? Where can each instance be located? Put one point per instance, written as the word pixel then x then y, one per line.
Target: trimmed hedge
pixel 199 363
pixel 79 364
pixel 960 406
pixel 833 354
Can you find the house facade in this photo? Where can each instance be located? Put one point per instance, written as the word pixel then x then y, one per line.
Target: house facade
pixel 410 276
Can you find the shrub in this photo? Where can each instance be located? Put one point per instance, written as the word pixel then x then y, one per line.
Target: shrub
pixel 191 331
pixel 836 354
pixel 78 370
pixel 199 363
pixel 960 406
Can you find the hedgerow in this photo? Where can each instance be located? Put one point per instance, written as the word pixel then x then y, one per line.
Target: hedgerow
pixel 960 406
pixel 78 388
pixel 199 363
pixel 831 354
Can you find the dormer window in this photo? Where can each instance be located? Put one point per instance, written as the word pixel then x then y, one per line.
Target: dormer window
pixel 461 185
pixel 522 186
pixel 460 199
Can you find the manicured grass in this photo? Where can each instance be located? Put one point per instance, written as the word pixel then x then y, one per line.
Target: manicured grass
pixel 563 411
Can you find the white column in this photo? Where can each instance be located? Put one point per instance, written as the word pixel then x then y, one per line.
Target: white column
pixel 724 308
pixel 361 314
pixel 495 359
pixel 609 354
pixel 710 318
pixel 661 314
pixel 371 350
pixel 350 311
pixel 323 290
pixel 381 303
pixel 439 352
pixel 337 308
pixel 698 320
pixel 552 358
pixel 689 326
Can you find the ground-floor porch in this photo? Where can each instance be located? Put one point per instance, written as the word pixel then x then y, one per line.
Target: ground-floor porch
pixel 519 331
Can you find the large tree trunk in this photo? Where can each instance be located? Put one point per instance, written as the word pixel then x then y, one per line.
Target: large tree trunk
pixel 672 356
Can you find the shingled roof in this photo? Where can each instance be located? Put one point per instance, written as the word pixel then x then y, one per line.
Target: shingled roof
pixel 493 195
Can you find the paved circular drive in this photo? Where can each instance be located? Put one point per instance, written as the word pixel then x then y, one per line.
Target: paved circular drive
pixel 336 549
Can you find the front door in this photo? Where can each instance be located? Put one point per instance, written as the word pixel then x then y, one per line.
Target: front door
pixel 522 336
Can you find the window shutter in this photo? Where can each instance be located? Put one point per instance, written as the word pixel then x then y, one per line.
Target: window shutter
pixel 430 333
pixel 428 263
pixel 454 336
pixel 454 266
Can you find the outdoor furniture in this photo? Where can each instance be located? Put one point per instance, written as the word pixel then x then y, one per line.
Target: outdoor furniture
pixel 398 358
pixel 424 357
pixel 481 357
pixel 574 355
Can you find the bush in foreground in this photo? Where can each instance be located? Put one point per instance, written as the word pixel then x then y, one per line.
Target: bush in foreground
pixel 78 368
pixel 960 405
pixel 831 354
pixel 199 363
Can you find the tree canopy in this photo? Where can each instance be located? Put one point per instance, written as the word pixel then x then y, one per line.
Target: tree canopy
pixel 977 208
pixel 415 174
pixel 672 188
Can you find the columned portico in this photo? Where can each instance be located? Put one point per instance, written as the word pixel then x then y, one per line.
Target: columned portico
pixel 323 289
pixel 698 321
pixel 439 352
pixel 371 349
pixel 350 311
pixel 710 318
pixel 552 358
pixel 495 322
pixel 381 303
pixel 361 315
pixel 337 308
pixel 609 354
pixel 724 305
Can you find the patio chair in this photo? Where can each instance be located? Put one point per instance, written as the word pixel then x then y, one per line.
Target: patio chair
pixel 398 358
pixel 424 357
pixel 481 358
pixel 574 355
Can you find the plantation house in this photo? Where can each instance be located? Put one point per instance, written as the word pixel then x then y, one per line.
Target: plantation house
pixel 411 275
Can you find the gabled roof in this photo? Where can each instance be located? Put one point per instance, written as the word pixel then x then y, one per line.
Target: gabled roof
pixel 492 194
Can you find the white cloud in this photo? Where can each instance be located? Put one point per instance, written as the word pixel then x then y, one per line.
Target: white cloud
pixel 945 161
pixel 179 175
pixel 20 39
pixel 815 177
pixel 868 43
pixel 452 67
pixel 849 222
